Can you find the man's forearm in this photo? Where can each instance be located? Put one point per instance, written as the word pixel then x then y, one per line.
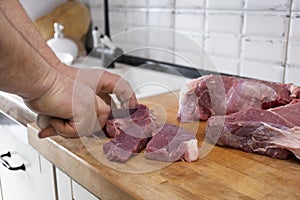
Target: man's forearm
pixel 103 83
pixel 17 15
pixel 23 71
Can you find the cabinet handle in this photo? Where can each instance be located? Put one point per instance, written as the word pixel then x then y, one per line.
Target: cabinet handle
pixel 7 165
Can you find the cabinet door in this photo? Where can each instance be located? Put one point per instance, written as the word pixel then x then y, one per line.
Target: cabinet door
pixel 69 189
pixel 36 182
pixel 80 193
pixel 0 190
pixel 64 185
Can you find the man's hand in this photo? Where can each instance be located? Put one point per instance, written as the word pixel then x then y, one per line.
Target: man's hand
pixel 77 110
pixel 31 70
pixel 104 84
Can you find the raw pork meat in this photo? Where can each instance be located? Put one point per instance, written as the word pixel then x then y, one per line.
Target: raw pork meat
pixel 274 132
pixel 123 146
pixel 130 134
pixel 171 143
pixel 219 95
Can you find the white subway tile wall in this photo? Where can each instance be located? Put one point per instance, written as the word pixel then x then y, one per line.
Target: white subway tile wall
pixel 268 4
pixel 296 5
pixel 136 3
pixel 250 38
pixel 190 21
pixel 266 24
pixel 159 18
pixel 293 51
pixel 261 70
pixel 189 3
pixel 224 22
pixel 225 4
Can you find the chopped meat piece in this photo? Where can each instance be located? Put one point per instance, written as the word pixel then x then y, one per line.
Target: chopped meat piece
pixel 171 143
pixel 219 95
pixel 139 121
pixel 274 132
pixel 123 146
pixel 131 134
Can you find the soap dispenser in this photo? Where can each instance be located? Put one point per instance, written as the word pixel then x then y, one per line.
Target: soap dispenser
pixel 65 49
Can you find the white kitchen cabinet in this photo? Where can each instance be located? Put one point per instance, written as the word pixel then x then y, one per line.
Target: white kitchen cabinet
pixel 69 189
pixel 26 174
pixel 0 190
pixel 64 185
pixel 80 193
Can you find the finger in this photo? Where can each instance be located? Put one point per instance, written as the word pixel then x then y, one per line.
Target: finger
pixel 116 84
pixel 130 102
pixel 108 100
pixel 126 96
pixel 64 128
pixel 102 111
pixel 47 132
pixel 133 101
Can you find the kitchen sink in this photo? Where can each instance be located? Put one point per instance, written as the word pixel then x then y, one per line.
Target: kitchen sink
pixel 145 82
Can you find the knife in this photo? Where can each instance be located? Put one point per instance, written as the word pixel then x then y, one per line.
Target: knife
pixel 43 121
pixel 119 113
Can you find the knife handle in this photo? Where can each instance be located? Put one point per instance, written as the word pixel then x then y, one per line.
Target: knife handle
pixel 43 121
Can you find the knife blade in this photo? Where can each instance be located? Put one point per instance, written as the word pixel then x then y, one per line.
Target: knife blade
pixel 119 113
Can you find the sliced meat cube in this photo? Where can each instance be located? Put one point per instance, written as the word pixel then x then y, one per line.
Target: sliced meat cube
pixel 171 143
pixel 131 134
pixel 142 120
pixel 123 146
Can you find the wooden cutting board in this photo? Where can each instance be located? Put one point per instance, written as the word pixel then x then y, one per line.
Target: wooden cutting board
pixel 223 174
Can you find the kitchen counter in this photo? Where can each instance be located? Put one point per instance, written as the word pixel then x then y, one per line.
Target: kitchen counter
pixel 223 174
pixel 14 106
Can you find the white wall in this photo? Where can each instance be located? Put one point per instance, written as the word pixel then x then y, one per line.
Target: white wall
pixel 252 38
pixel 38 8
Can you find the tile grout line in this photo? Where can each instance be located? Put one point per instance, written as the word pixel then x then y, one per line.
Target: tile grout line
pixel 147 25
pixel 242 30
pixel 205 36
pixel 174 31
pixel 287 42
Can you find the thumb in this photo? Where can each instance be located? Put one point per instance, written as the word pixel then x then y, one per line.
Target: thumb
pixel 47 132
pixel 102 111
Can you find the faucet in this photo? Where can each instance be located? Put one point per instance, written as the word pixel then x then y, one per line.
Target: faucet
pixel 107 50
pixel 103 44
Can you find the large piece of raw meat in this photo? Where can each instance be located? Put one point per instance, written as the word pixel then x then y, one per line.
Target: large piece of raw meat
pixel 274 132
pixel 219 95
pixel 251 115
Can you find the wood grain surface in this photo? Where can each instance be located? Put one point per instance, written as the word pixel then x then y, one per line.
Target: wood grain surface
pixel 223 174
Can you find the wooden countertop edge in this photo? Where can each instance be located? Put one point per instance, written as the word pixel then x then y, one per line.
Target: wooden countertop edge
pixel 75 167
pixel 14 107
